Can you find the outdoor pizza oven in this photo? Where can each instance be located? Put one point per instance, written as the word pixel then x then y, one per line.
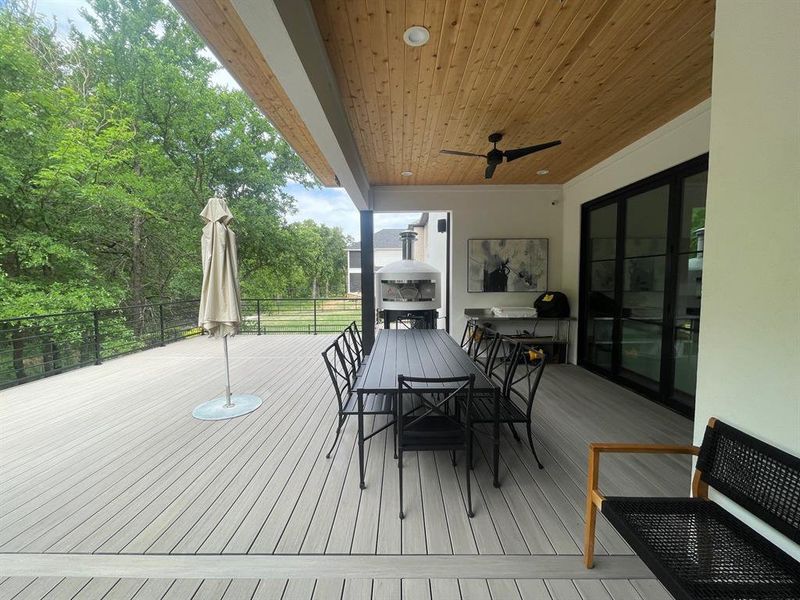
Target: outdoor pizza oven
pixel 408 289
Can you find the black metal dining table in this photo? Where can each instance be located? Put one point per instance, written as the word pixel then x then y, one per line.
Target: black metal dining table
pixel 418 353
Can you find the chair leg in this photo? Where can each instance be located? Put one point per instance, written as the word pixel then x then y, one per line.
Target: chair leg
pixel 394 428
pixel 453 457
pixel 470 514
pixel 336 438
pixel 591 511
pixel 400 476
pixel 530 441
pixel 514 431
pixel 588 535
pixel 470 462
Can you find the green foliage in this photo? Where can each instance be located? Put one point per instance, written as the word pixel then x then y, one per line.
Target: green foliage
pixel 110 145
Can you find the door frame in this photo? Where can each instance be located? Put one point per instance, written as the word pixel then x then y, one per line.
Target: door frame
pixel 672 177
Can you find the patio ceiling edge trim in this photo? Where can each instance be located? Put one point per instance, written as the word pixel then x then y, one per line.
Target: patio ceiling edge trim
pixel 486 566
pixel 228 38
pixel 286 34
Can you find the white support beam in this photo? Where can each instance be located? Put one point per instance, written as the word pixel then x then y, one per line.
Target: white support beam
pixel 286 33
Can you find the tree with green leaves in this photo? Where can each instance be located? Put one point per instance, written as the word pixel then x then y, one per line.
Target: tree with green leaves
pixel 110 144
pixel 111 141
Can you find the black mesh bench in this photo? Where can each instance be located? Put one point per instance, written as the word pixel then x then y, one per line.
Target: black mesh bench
pixel 697 549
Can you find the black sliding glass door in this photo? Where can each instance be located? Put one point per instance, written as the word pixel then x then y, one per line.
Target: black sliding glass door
pixel 641 268
pixel 601 282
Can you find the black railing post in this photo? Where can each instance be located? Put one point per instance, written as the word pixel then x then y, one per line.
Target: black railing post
pixel 97 360
pixel 315 316
pixel 258 315
pixel 161 321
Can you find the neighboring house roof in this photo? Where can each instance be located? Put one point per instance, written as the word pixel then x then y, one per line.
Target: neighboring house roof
pixel 422 222
pixel 385 238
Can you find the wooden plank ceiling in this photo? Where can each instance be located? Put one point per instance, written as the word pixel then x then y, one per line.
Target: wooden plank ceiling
pixel 231 42
pixel 597 74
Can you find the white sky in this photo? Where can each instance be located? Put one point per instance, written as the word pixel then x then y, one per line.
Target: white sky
pixel 331 206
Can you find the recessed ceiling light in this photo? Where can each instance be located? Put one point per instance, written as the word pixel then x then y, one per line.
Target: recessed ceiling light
pixel 406 173
pixel 543 172
pixel 416 36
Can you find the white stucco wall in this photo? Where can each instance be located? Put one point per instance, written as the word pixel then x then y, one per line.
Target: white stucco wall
pixel 749 361
pixel 434 245
pixel 499 211
pixel 683 138
pixel 384 256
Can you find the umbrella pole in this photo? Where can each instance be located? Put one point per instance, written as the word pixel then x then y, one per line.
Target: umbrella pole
pixel 228 403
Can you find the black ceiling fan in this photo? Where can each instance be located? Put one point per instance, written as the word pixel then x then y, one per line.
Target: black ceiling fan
pixel 495 156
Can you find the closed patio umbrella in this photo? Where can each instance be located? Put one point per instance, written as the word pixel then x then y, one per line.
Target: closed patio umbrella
pixel 219 313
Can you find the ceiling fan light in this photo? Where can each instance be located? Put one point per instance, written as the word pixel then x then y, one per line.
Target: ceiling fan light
pixel 416 36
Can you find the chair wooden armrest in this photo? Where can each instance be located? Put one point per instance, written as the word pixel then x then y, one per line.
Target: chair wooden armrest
pixel 594 499
pixel 597 448
pixel 644 448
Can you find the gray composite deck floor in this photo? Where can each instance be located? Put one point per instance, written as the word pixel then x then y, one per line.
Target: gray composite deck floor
pixel 108 460
pixel 333 589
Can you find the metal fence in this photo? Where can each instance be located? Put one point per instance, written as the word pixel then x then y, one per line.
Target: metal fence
pixel 38 346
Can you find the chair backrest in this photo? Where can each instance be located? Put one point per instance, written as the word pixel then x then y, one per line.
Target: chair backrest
pixel 355 343
pixel 349 354
pixel 425 388
pixel 475 344
pixel 468 336
pixel 524 374
pixel 484 344
pixel 500 355
pixel 353 327
pixel 338 371
pixel 759 477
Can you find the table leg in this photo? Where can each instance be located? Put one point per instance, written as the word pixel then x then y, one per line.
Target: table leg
pixel 496 438
pixel 361 440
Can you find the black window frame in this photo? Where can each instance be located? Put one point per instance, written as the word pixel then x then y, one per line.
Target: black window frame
pixel 673 177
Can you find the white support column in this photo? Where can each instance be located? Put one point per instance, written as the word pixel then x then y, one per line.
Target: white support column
pixel 748 373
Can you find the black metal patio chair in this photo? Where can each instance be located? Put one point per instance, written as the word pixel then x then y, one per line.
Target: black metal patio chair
pixel 500 357
pixel 358 344
pixel 468 336
pixel 430 426
pixel 350 353
pixel 342 377
pixel 484 345
pixel 521 375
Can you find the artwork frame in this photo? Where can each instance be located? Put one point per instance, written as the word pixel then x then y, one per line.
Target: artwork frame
pixel 507 265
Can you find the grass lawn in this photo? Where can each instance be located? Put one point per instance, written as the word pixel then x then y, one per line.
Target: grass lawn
pixel 298 316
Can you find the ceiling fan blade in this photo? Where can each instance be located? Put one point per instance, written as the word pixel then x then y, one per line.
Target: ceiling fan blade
pixel 520 152
pixel 490 170
pixel 459 153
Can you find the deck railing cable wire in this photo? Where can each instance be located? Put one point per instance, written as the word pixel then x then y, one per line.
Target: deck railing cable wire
pixel 38 346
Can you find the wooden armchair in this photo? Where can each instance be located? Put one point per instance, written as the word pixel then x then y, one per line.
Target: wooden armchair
pixel 696 548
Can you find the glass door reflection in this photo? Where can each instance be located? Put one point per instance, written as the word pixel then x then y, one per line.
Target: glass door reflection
pixel 602 251
pixel 689 288
pixel 646 217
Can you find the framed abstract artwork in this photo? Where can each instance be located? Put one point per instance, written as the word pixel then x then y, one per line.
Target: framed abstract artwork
pixel 507 265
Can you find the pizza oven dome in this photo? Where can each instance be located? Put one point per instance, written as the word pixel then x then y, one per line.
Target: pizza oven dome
pixel 408 284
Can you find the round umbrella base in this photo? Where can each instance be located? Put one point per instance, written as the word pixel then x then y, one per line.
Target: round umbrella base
pixel 215 410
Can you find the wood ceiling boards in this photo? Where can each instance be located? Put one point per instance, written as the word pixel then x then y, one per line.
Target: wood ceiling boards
pixel 597 74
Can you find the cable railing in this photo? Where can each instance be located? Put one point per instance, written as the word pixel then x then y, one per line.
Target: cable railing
pixel 38 346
